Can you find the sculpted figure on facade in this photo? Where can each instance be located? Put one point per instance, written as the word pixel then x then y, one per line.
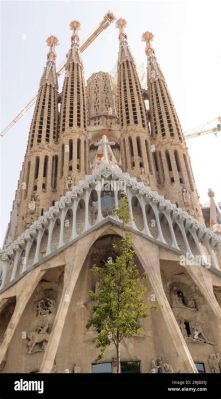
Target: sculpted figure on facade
pixel 45 306
pixel 38 339
pixel 214 362
pixel 69 182
pixel 160 366
pixel 93 211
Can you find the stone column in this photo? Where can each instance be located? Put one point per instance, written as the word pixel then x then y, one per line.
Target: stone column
pixel 16 260
pixel 27 250
pixel 61 236
pixel 74 210
pixel 99 212
pixel 174 241
pixel 146 227
pixel 156 214
pixel 40 234
pixel 50 231
pixel 129 197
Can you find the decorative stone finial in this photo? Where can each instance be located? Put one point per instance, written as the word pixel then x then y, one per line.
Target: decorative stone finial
pixel 211 193
pixel 148 37
pixel 75 26
pixel 52 41
pixel 121 24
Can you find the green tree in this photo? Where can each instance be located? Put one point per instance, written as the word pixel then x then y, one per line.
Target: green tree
pixel 118 302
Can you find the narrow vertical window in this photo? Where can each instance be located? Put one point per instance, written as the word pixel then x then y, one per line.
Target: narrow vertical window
pixel 36 167
pixel 139 147
pixel 45 172
pixel 125 154
pixel 176 155
pixel 70 150
pixel 85 156
pixel 78 153
pixel 54 172
pixel 78 149
pixel 148 157
pixel 168 161
pixel 188 172
pixel 27 178
pixel 62 161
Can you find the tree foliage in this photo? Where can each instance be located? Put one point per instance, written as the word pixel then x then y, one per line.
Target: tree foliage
pixel 118 302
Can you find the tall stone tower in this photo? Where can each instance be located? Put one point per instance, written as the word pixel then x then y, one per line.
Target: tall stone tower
pixel 37 185
pixel 171 159
pixel 73 119
pixel 86 146
pixel 135 134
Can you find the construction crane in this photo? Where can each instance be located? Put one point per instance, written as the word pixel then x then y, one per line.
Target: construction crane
pixel 107 20
pixel 215 130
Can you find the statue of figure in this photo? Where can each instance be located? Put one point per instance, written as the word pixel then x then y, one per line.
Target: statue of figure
pixel 38 337
pixel 154 367
pixel 93 211
pixel 185 196
pixel 198 334
pixel 76 369
pixel 68 182
pixel 214 362
pixel 178 298
pixel 160 365
pixel 167 368
pixel 45 306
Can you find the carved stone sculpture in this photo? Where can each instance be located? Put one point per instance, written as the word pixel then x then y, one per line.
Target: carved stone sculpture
pixel 198 334
pixel 160 366
pixel 38 339
pixel 76 369
pixel 45 306
pixel 178 298
pixel 93 211
pixel 68 182
pixel 154 367
pixel 214 362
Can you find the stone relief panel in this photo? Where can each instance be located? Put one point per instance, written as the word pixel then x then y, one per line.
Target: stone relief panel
pixel 160 366
pixel 214 362
pixel 183 296
pixel 44 309
pixel 193 332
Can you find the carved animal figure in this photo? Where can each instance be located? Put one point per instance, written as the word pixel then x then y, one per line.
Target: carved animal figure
pixel 35 338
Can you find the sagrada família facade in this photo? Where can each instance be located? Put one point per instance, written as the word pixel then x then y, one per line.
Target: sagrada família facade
pixel 88 145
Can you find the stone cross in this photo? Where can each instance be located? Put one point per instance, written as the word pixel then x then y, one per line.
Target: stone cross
pixel 104 143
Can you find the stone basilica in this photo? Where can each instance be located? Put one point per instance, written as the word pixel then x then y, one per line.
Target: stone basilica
pixel 88 145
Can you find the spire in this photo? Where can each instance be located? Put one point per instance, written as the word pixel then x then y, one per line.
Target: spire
pixel 44 127
pixel 135 136
pixel 124 51
pixel 49 75
pixel 73 55
pixel 164 119
pixel 131 105
pixel 153 67
pixel 170 156
pixel 73 106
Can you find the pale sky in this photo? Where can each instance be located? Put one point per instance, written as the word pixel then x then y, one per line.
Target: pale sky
pixel 187 42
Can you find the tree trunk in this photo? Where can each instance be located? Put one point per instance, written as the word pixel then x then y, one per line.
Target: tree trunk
pixel 118 357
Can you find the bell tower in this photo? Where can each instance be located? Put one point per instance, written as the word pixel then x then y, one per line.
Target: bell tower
pixel 73 151
pixel 170 154
pixel 135 135
pixel 37 184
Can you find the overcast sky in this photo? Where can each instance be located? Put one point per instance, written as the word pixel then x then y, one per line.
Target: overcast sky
pixel 187 42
